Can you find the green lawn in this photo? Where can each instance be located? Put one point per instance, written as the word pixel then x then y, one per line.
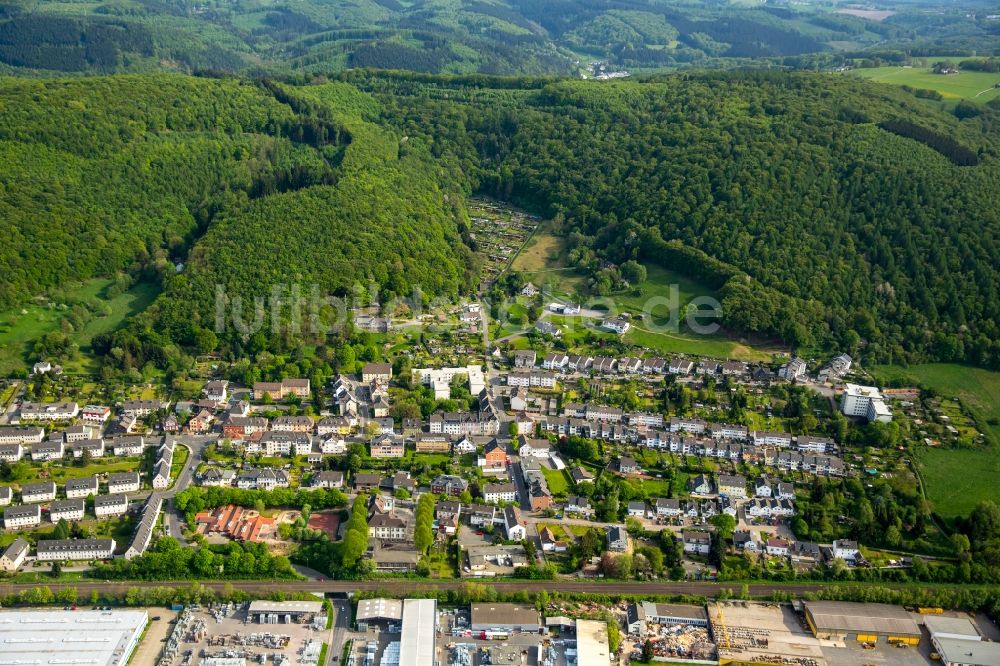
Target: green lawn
pixel 20 327
pixel 976 86
pixel 558 480
pixel 61 473
pixel 704 345
pixel 957 479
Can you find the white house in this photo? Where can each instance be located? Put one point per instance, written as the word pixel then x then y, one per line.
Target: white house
pixel 500 492
pixel 82 488
pixel 17 517
pixel 123 482
pixel 533 448
pixel 71 509
pixel 794 369
pixel 43 491
pixel 695 542
pixel 617 325
pixel 109 506
pixel 845 549
pixel 75 549
pixel 47 451
pixel 14 555
pixel 49 411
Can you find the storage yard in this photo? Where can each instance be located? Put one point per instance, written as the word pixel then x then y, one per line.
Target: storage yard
pixel 761 632
pixel 292 632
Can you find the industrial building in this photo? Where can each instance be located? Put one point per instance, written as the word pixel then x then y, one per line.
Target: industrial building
pixel 382 612
pixel 592 643
pixel 958 642
pixel 286 612
pixel 843 620
pixel 506 617
pixel 416 645
pixel 100 638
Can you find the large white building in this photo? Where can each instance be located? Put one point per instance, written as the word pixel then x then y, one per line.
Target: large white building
pixel 419 628
pixel 440 379
pixel 16 517
pixel 70 509
pixel 49 411
pixel 109 506
pixel 102 638
pixel 864 401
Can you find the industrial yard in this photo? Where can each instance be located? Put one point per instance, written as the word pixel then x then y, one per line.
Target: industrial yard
pixel 279 633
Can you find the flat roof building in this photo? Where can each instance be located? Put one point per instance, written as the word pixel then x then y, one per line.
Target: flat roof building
pixel 592 647
pixel 416 645
pixel 278 612
pixel 493 615
pixel 101 638
pixel 844 620
pixel 959 652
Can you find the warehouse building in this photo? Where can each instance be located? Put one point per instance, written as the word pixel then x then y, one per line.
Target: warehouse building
pixel 102 638
pixel 958 642
pixel 380 612
pixel 505 617
pixel 592 648
pixel 868 623
pixel 284 612
pixel 416 645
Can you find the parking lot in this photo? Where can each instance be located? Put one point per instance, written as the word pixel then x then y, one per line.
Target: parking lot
pixel 224 631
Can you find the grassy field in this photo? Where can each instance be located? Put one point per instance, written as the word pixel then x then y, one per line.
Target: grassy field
pixel 61 473
pixel 976 86
pixel 957 479
pixel 978 389
pixel 21 327
pixel 704 345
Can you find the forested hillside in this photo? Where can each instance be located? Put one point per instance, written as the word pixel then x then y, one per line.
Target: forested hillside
pixel 495 37
pixel 138 173
pixel 854 233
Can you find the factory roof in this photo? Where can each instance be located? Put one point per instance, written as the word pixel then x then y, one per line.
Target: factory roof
pixel 497 614
pixel 847 616
pixel 380 609
pixel 959 651
pixel 416 645
pixel 955 626
pixel 592 643
pixel 54 636
pixel 286 606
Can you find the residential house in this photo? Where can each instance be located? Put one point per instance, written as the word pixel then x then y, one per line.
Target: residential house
pixel 481 515
pixel 70 509
pixel 376 372
pixel 18 517
pixel 525 358
pixel 777 547
pixel 732 485
pixel 617 539
pixel 533 448
pixel 581 475
pixel 845 549
pixel 48 411
pixel 51 550
pixel 143 534
pixel 693 426
pixel 668 508
pixel 387 527
pixel 700 484
pixel 793 370
pixel 298 387
pixel 128 446
pixel 43 491
pixel 328 479
pixel 28 435
pixel 14 555
pixel 11 453
pixel 216 390
pixel 696 542
pixel 47 451
pixel 680 366
pixel 578 505
pixel 449 485
pixel 555 361
pixel 428 443
pixel 301 424
pixel 637 509
pixel 123 482
pixel 82 488
pixel 142 408
pixel 95 414
pixel 743 541
pixel 262 478
pixel 499 492
pixel 734 368
pixel 513 526
pixel 6 496
pixel 201 422
pixel 93 447
pixel 364 483
pixel 616 325
pixel 388 446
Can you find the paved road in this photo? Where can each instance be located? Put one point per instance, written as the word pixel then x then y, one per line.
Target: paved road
pixel 196 445
pixel 338 634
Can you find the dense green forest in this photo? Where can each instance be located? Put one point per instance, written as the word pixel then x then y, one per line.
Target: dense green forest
pixel 827 212
pixel 194 183
pixel 812 204
pixel 496 37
